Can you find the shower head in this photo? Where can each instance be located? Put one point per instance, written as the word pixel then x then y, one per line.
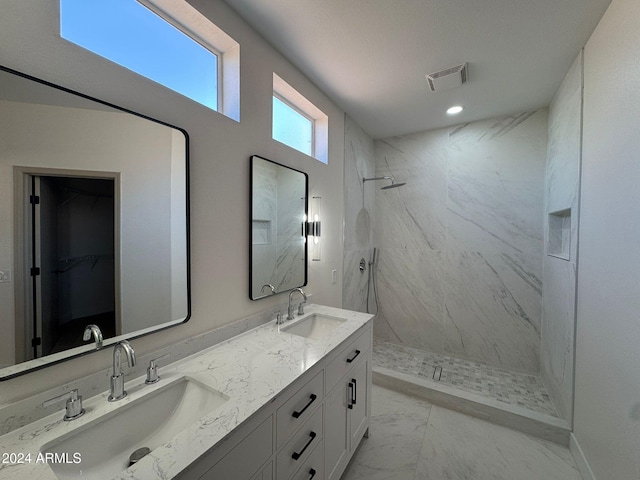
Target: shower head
pixel 393 185
pixel 386 187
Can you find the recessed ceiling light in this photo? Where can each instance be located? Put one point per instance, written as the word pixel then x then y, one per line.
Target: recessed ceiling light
pixel 454 110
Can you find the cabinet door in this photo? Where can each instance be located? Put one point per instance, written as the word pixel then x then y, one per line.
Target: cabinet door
pixel 265 474
pixel 336 432
pixel 246 458
pixel 358 402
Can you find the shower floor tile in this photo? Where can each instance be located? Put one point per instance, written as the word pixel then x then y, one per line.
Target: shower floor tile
pixel 513 388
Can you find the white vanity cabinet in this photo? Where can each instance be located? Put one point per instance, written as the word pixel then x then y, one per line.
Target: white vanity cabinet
pixel 347 405
pixel 309 432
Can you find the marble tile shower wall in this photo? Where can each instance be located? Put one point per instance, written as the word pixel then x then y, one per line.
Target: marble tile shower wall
pixel 562 193
pixel 359 162
pixel 461 245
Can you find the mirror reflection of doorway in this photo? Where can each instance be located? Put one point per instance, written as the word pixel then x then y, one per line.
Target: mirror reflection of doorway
pixel 70 262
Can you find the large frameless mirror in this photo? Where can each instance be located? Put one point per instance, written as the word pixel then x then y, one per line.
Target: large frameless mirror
pixel 278 219
pixel 93 223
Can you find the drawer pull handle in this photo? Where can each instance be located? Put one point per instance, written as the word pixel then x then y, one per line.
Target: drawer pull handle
pixel 312 398
pixel 349 360
pixel 297 455
pixel 312 472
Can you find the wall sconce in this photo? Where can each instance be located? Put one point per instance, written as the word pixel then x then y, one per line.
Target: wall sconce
pixel 314 227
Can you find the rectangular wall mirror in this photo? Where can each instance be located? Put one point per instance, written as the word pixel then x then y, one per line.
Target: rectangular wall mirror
pixel 278 215
pixel 93 223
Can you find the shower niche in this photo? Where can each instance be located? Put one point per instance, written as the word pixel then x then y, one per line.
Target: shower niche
pixel 559 234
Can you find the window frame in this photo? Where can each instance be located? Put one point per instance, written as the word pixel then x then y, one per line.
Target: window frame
pixel 291 97
pixel 154 8
pixel 303 114
pixel 197 27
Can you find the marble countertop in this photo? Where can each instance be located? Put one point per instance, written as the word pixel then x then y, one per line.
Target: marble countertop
pixel 251 369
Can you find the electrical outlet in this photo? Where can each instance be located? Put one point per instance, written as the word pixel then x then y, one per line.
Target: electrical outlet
pixel 5 276
pixel 334 276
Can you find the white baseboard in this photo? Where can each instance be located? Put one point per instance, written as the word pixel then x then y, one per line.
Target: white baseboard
pixel 581 460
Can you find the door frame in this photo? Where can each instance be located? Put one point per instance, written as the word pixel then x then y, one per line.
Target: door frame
pixel 22 253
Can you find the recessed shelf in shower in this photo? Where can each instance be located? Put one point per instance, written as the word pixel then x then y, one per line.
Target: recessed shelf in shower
pixel 559 234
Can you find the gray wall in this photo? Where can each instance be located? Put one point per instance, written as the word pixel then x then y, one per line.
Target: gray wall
pixel 607 390
pixel 460 264
pixel 562 188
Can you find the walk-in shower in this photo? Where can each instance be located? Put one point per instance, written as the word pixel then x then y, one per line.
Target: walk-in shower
pixel 510 388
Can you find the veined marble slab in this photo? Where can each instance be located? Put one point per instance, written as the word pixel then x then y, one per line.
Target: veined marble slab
pixel 464 448
pixel 359 213
pixel 461 244
pixel 562 184
pixel 359 197
pixel 413 440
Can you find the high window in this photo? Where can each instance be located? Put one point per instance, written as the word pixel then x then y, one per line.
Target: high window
pixel 297 122
pixel 292 127
pixel 155 38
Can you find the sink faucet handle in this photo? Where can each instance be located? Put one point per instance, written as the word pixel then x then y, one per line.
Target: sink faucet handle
pixel 279 319
pixel 152 370
pixel 74 404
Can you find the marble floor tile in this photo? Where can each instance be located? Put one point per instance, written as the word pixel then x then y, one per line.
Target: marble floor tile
pixel 459 447
pixel 512 388
pixel 397 428
pixel 411 439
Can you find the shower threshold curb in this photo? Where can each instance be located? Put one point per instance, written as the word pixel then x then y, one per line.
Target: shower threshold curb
pixel 532 423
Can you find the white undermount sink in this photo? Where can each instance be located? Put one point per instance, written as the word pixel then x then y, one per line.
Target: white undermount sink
pixel 314 326
pixel 105 444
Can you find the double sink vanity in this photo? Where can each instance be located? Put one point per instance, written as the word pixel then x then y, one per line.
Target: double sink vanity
pixel 280 401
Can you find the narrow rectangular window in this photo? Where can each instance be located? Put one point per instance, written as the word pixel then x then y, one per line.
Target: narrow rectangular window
pixel 131 35
pixel 292 127
pixel 298 123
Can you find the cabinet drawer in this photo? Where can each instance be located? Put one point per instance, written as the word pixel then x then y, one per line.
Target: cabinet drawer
pixel 296 452
pixel 298 409
pixel 313 467
pixel 340 365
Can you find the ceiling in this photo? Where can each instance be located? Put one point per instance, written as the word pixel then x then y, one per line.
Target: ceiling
pixel 371 56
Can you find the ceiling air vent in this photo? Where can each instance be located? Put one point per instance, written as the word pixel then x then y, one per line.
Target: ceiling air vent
pixel 449 78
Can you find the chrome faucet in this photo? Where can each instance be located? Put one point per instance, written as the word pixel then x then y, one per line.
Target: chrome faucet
pixel 93 330
pixel 270 287
pixel 117 379
pixel 300 307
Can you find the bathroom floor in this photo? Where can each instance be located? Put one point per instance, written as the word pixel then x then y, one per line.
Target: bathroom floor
pixel 513 388
pixel 410 439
